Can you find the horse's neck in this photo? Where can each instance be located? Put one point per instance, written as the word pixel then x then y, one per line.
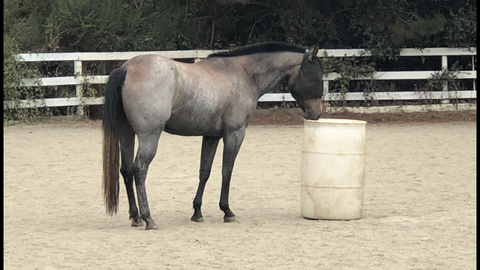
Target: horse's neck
pixel 267 70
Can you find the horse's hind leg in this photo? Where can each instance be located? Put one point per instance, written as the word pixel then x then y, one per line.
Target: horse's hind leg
pixel 147 148
pixel 209 147
pixel 127 145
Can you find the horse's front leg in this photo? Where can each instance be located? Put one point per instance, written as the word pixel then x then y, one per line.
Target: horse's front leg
pixel 209 147
pixel 147 148
pixel 232 142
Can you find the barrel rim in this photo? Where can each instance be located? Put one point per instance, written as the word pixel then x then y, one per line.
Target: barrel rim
pixel 336 121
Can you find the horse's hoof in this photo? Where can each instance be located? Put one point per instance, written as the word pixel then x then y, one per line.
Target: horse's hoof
pixel 195 219
pixel 229 219
pixel 151 227
pixel 137 222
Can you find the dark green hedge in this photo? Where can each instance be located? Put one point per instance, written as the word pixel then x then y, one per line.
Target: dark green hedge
pixel 122 25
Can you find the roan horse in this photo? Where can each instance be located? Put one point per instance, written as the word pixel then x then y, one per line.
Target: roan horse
pixel 214 98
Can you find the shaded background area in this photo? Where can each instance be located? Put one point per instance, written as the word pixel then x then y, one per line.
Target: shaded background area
pixel 295 117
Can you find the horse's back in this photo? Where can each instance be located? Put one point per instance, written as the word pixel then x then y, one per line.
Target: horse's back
pixel 149 67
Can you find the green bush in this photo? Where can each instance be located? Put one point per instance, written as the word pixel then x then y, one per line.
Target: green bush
pixel 13 92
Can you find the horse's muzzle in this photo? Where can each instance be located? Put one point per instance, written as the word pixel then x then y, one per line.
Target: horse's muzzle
pixel 312 108
pixel 312 115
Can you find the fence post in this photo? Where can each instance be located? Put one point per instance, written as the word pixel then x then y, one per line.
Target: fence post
pixel 77 70
pixel 473 69
pixel 445 84
pixel 325 93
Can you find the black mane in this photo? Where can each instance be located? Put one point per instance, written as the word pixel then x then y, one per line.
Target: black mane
pixel 260 48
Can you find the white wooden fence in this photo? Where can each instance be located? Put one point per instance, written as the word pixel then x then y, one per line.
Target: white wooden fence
pixel 79 79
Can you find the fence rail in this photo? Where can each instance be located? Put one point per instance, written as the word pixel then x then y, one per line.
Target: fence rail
pixel 79 79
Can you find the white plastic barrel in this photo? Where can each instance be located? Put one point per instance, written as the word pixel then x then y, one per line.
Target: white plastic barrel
pixel 333 169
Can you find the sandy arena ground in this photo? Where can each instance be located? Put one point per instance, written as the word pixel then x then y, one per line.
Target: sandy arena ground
pixel 419 206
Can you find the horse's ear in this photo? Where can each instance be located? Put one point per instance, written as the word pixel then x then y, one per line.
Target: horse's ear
pixel 312 53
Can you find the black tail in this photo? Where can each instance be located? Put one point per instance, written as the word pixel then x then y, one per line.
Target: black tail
pixel 112 114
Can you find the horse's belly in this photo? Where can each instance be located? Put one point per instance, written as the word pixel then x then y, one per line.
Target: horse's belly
pixel 194 126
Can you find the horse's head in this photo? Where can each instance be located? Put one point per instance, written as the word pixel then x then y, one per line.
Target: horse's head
pixel 307 86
